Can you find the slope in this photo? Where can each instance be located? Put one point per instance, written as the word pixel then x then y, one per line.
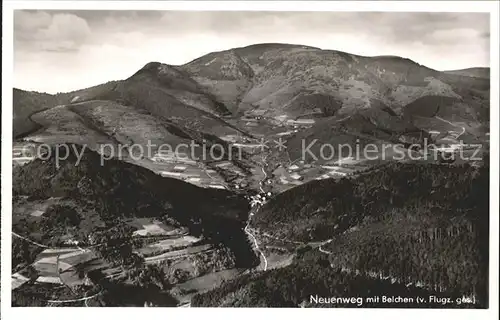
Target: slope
pixel 270 77
pixel 113 191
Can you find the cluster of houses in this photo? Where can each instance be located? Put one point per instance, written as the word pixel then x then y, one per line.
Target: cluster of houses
pixel 289 175
pixel 259 199
pixel 179 172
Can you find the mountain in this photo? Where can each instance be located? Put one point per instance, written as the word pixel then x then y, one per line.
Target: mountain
pixel 471 72
pixel 285 80
pixel 368 127
pixel 282 79
pixel 336 226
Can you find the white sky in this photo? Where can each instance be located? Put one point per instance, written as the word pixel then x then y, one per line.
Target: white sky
pixel 58 51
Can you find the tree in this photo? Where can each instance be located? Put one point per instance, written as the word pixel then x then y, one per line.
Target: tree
pixel 149 277
pixel 60 216
pixel 32 273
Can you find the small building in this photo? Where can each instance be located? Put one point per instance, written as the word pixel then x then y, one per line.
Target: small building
pixel 87 281
pixel 179 168
pixel 293 167
pixel 296 176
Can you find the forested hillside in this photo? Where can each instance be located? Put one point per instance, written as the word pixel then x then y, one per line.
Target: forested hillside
pixel 312 276
pixel 320 209
pixel 105 194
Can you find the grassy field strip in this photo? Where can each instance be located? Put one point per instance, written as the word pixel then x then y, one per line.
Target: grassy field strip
pixel 169 243
pixel 179 253
pixel 71 254
pixel 74 300
pixel 49 261
pixel 18 280
pixel 206 282
pixel 203 283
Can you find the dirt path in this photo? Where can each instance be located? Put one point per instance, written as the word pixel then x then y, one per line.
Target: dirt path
pixel 444 120
pixel 75 300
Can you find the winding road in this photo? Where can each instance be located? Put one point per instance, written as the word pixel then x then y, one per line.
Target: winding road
pixel 32 242
pixel 247 227
pixel 451 123
pixel 247 231
pixel 323 250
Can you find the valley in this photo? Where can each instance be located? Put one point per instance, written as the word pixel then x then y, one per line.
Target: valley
pixel 213 182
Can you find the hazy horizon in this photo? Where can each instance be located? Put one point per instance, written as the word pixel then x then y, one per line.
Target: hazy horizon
pixel 79 49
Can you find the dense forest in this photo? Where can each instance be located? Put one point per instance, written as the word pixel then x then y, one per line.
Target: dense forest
pixel 320 209
pixel 116 190
pixel 141 283
pixel 416 224
pixel 312 275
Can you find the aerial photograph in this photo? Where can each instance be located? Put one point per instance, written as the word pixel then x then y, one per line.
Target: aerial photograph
pixel 251 159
